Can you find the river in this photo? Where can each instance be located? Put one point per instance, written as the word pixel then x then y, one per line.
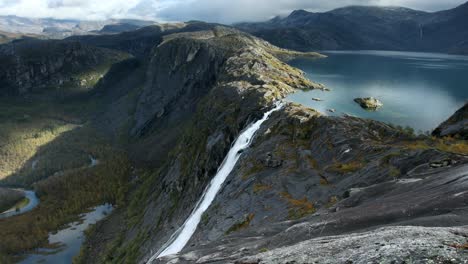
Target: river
pixel 69 239
pixel 33 201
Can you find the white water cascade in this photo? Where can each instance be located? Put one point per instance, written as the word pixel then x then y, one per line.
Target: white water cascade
pixel 181 237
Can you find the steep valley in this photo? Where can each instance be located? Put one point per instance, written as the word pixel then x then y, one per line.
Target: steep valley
pixel 161 115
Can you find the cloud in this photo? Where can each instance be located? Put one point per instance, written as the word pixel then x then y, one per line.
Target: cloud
pixel 76 9
pixel 224 11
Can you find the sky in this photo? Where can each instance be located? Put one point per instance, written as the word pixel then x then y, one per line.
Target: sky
pixel 223 11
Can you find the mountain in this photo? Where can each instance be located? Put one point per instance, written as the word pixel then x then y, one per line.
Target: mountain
pixel 6 37
pixel 33 65
pixel 368 28
pixel 61 28
pixel 160 121
pixel 306 178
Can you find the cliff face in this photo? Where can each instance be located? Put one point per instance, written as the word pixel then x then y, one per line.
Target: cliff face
pixel 200 90
pixel 305 178
pixel 35 65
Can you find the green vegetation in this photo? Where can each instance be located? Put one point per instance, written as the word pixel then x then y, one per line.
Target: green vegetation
pixel 447 144
pixel 9 198
pixel 241 224
pixel 205 218
pixel 46 145
pixel 30 127
pixel 254 167
pixel 345 168
pixel 63 197
pixel 394 172
pixel 20 140
pixel 298 208
pixel 258 187
pixel 387 158
pixel 22 203
pixel 263 250
pixel 116 251
pixel 332 201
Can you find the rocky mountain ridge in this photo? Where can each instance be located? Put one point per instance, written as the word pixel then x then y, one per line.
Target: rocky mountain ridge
pixel 61 28
pixel 306 176
pixel 368 28
pixel 308 180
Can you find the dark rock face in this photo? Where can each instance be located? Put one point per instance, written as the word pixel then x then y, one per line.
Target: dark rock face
pixel 34 65
pixel 456 125
pixel 192 69
pixel 363 27
pixel 339 176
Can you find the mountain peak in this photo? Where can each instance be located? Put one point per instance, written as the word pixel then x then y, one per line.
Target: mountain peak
pixel 299 13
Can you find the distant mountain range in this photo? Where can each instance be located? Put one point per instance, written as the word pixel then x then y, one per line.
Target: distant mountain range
pixel 368 27
pixel 59 28
pixel 347 28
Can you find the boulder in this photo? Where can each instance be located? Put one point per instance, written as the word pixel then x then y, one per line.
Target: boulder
pixel 369 103
pixel 456 125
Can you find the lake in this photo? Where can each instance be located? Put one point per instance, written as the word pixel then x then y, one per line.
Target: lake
pixel 420 90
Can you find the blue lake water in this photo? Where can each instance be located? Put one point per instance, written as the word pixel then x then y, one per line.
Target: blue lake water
pixel 420 90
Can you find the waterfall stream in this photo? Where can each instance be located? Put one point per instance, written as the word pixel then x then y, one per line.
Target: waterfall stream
pixel 181 237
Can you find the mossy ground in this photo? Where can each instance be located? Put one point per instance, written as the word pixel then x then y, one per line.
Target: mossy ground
pixel 298 208
pixel 446 144
pixel 241 224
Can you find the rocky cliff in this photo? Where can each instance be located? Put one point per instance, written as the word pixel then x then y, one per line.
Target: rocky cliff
pixel 201 89
pixel 32 65
pixel 308 180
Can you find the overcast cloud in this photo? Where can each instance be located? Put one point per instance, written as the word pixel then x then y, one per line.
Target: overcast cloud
pixel 224 11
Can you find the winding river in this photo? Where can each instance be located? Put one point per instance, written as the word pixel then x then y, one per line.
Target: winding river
pixel 33 201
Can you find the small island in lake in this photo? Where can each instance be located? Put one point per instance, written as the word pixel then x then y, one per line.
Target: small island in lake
pixel 369 103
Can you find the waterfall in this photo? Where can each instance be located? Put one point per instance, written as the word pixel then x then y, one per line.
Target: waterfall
pixel 181 237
